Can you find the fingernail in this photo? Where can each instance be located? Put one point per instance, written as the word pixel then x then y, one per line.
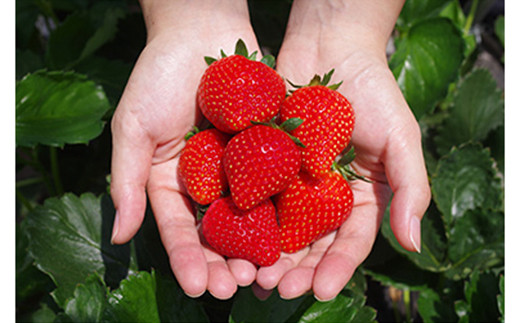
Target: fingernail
pixel 115 229
pixel 415 233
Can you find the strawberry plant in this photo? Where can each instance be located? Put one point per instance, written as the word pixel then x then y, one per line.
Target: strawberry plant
pixel 73 60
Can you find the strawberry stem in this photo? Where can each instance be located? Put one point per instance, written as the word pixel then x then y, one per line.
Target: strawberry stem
pixel 286 126
pixel 343 167
pixel 191 133
pixel 318 80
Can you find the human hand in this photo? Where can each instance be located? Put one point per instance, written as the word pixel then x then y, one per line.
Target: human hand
pixel 386 138
pixel 155 112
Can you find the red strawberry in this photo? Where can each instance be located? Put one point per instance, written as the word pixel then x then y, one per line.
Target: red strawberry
pixel 236 90
pixel 328 122
pixel 253 235
pixel 260 162
pixel 310 208
pixel 201 168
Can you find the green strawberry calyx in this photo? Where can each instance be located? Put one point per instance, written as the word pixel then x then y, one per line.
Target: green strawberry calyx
pixel 345 169
pixel 318 80
pixel 286 126
pixel 241 49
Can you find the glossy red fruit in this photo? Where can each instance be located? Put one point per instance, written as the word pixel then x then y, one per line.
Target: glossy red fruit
pixel 311 208
pixel 253 235
pixel 201 168
pixel 328 122
pixel 236 90
pixel 260 162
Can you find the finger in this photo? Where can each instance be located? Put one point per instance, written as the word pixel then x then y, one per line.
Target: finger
pixel 243 271
pixel 180 238
pixel 408 179
pixel 269 277
pixel 299 280
pixel 260 293
pixel 351 246
pixel 221 283
pixel 131 160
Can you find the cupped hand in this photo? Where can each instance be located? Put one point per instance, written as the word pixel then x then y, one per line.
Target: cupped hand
pixel 387 142
pixel 157 109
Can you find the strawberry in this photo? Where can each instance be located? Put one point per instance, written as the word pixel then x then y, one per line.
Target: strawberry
pixel 260 162
pixel 201 168
pixel 328 122
pixel 236 90
pixel 310 208
pixel 253 235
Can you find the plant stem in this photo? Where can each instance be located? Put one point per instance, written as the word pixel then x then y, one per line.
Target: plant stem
pixel 55 169
pixel 29 181
pixel 407 305
pixel 25 202
pixel 471 17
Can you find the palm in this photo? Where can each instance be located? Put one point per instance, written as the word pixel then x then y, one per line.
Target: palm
pixel 156 111
pixel 380 126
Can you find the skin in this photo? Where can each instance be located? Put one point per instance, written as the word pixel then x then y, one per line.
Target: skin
pixel 158 108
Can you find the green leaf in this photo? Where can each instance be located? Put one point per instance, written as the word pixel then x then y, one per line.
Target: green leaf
pixel 499 29
pixel 476 242
pixel 433 242
pixel 291 124
pixel 241 48
pixel 268 60
pixel 82 34
pixel 466 179
pixel 148 297
pixel 173 304
pixel 89 301
pixel 248 308
pixel 134 300
pixel 480 302
pixel 437 305
pixel 57 108
pixel 426 60
pixel 501 299
pixel 70 240
pixel 414 11
pixel 346 307
pixel 478 108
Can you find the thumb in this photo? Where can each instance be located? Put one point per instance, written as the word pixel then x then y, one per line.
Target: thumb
pixel 131 161
pixel 408 179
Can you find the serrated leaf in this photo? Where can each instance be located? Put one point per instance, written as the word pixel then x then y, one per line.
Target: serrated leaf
pixel 346 307
pixel 149 297
pixel 70 240
pixel 480 303
pixel 426 61
pixel 476 242
pixel 437 305
pixel 478 108
pixel 416 10
pixel 433 242
pixel 134 300
pixel 466 179
pixel 57 108
pixel 89 301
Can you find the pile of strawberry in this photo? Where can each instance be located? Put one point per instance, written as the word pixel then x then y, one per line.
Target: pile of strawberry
pixel 266 172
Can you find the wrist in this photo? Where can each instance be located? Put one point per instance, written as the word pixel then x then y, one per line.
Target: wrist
pixel 195 16
pixel 363 24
